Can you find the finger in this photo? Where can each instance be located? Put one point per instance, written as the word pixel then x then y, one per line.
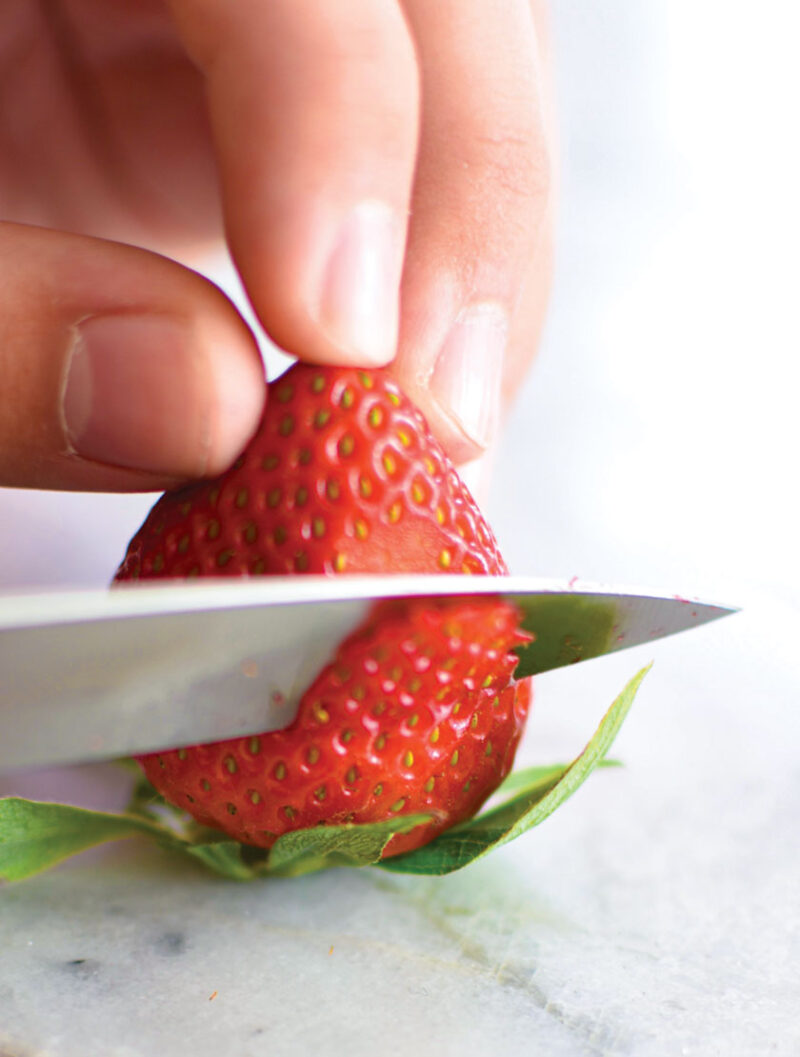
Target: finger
pixel 313 108
pixel 122 371
pixel 478 215
pixel 523 340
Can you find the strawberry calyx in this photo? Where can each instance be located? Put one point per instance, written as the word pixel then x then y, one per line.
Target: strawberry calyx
pixel 524 801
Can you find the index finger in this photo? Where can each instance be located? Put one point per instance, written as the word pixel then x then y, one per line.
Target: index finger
pixel 313 108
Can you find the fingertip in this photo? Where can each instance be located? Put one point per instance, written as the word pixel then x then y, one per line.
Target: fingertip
pixel 467 376
pixel 357 308
pixel 159 394
pixel 327 289
pixel 238 394
pixel 123 371
pixel 451 363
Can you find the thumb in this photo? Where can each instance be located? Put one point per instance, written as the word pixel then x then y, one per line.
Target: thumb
pixel 121 370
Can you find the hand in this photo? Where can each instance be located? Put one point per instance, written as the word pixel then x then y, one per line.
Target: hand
pixel 352 152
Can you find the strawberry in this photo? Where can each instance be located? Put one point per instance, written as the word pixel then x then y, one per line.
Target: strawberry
pixel 343 475
pixel 417 713
pixel 419 710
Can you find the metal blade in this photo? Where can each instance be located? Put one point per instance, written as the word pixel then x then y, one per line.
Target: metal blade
pixel 100 674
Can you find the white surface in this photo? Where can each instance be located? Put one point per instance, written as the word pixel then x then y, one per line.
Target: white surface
pixel 657 913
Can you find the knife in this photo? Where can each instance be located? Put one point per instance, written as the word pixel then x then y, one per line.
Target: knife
pixel 90 675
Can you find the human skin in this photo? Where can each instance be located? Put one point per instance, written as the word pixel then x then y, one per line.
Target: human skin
pixel 380 170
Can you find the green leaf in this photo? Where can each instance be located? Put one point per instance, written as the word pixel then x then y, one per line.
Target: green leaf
pixel 35 835
pixel 566 628
pixel 143 798
pixel 531 776
pixel 237 862
pixel 306 850
pixel 474 839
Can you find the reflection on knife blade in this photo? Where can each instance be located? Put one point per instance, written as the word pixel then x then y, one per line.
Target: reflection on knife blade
pixel 90 675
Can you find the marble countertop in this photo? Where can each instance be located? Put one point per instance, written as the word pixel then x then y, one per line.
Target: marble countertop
pixel 655 914
pixel 658 912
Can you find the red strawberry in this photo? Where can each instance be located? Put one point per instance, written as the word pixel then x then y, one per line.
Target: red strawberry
pixel 419 711
pixel 343 475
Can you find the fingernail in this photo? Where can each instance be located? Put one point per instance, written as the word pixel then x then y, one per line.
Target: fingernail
pixel 358 306
pixel 139 393
pixel 468 373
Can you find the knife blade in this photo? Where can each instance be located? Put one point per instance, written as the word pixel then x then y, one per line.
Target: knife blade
pixel 88 675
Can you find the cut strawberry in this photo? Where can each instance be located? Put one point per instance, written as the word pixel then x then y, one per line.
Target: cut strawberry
pixel 419 711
